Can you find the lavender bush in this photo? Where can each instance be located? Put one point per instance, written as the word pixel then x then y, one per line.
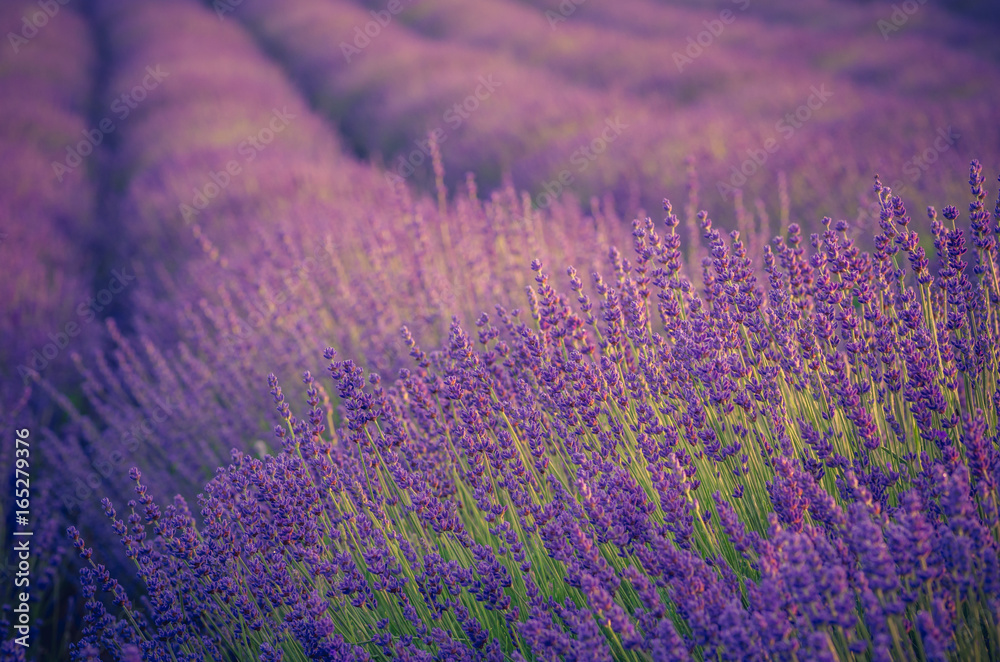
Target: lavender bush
pixel 638 470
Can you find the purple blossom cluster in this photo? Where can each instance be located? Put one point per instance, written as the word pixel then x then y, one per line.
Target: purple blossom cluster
pixel 636 468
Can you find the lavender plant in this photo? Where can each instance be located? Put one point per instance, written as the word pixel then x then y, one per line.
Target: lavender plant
pixel 641 469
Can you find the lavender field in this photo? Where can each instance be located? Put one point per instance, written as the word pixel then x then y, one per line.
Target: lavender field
pixel 501 331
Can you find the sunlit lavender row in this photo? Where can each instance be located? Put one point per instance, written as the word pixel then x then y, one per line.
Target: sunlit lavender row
pixel 628 468
pixel 220 299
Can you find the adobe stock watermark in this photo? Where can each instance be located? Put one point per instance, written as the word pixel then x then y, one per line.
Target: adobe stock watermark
pixel 110 462
pixel 901 13
pixel 566 9
pixel 122 107
pixel 786 127
pixel 223 7
pixel 581 157
pixel 915 166
pixel 87 311
pixel 248 148
pixel 260 313
pixel 112 456
pixel 714 28
pixel 33 22
pixel 453 118
pixel 363 35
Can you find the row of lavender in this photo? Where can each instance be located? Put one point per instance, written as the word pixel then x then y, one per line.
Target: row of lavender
pixel 162 143
pixel 47 198
pixel 593 102
pixel 807 469
pixel 252 240
pixel 388 94
pixel 722 75
pixel 222 181
pixel 44 209
pixel 235 232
